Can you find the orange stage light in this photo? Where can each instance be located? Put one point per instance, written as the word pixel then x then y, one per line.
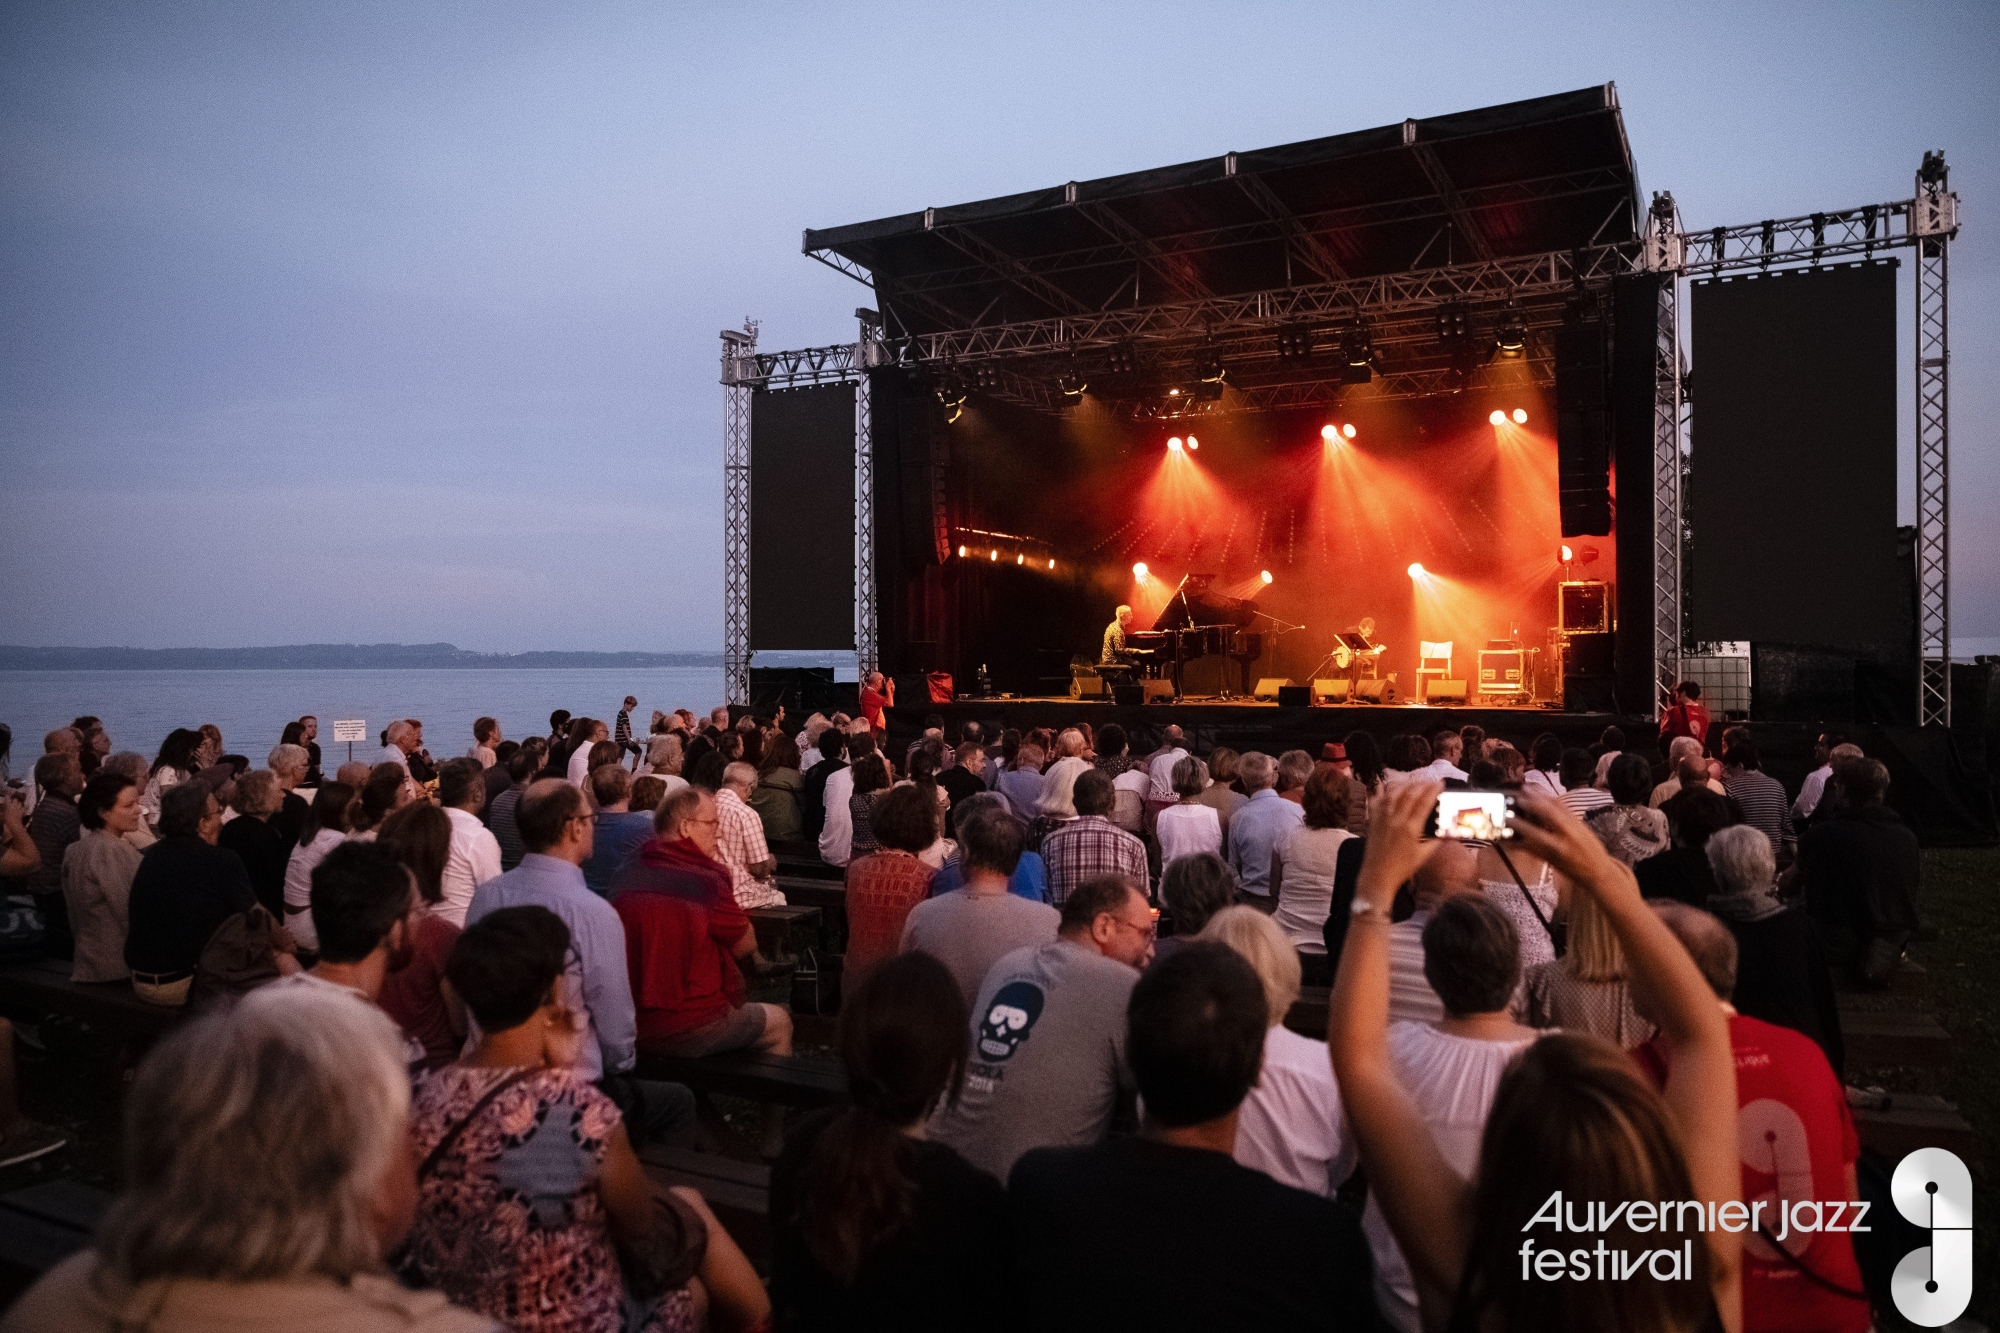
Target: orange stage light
pixel 1520 416
pixel 1139 571
pixel 1498 418
pixel 1266 576
pixel 1329 433
pixel 1416 571
pixel 1348 430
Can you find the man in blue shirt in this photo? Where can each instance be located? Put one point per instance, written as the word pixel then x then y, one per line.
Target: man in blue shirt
pixel 1259 828
pixel 557 834
pixel 618 830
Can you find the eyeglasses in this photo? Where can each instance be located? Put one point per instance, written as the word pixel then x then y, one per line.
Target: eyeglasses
pixel 1149 931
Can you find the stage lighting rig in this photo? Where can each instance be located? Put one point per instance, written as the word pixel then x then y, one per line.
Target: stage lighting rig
pixel 1498 417
pixel 1121 359
pixel 1072 382
pixel 1295 342
pixel 1208 367
pixel 1512 339
pixel 1357 354
pixel 986 378
pixel 951 393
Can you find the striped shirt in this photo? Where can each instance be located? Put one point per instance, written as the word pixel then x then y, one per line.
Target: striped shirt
pixel 1761 799
pixel 1580 801
pixel 1411 999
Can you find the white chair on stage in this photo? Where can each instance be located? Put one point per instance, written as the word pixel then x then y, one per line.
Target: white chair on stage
pixel 1433 661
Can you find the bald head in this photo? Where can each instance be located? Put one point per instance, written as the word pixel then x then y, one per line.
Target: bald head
pixel 1707 941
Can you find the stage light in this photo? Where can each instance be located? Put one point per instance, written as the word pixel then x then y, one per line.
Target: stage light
pixel 961 553
pixel 1139 571
pixel 1266 576
pixel 996 553
pixel 1520 416
pixel 1357 350
pixel 1193 443
pixel 1021 558
pixel 1174 392
pixel 1052 563
pixel 1072 383
pixel 1295 342
pixel 1348 430
pixel 1329 433
pixel 1208 367
pixel 1174 445
pixel 1568 555
pixel 1513 334
pixel 1416 571
pixel 1498 418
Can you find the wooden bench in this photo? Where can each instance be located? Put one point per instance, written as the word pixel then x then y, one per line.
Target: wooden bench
pixel 783 932
pixel 777 1080
pixel 806 865
pixel 44 1224
pixel 829 896
pixel 1892 1038
pixel 739 1193
pixel 1896 1123
pixel 42 986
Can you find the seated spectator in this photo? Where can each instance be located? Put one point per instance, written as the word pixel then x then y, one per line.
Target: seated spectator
pixel 1570 1113
pixel 665 755
pixel 1782 974
pixel 1609 746
pixel 1221 795
pixel 869 777
pixel 1091 846
pixel 1160 767
pixel 647 793
pixel 1447 748
pixel 1365 766
pixel 1269 1257
pixel 617 829
pixel 1048 1061
pixel 288 764
pixel 1189 826
pixel 1021 784
pixel 1192 891
pixel 325 828
pixel 1777 1067
pixel 965 779
pixel 780 787
pixel 585 734
pixel 500 818
pixel 253 835
pixel 1860 872
pixel 1259 829
pixel 174 765
pixel 1682 873
pixel 684 935
pixel 132 764
pixel 413 993
pixel 1760 798
pixel 739 840
pixel 185 888
pixel 521 1145
pixel 97 872
pixel 1030 879
pixel 1316 861
pixel 1295 768
pixel 388 788
pixel 1291 1126
pixel 1811 803
pixel 1129 799
pixel 485 738
pixel 1451 872
pixel 1404 756
pixel 876 1226
pixel 1680 750
pixel 1581 795
pixel 286 1238
pixel 556 830
pixel 1544 773
pixel 1585 990
pixel 813 800
pixel 971 928
pixel 1113 751
pixel 1631 829
pixel 886 884
pixel 475 850
pixel 55 828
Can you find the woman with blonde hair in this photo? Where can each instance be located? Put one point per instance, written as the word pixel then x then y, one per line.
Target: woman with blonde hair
pixel 1585 990
pixel 268 1171
pixel 1290 1127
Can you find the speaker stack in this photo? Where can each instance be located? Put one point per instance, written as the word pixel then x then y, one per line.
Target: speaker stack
pixel 1584 648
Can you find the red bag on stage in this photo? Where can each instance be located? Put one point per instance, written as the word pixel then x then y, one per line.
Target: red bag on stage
pixel 941 692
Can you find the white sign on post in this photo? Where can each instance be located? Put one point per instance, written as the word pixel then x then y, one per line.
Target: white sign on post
pixel 354 729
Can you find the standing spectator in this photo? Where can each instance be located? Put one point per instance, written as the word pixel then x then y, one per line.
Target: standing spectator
pixel 1189 826
pixel 684 935
pixel 1687 716
pixel 740 837
pixel 325 828
pixel 971 928
pixel 618 828
pixel 780 787
pixel 885 885
pixel 1259 829
pixel 500 818
pixel 288 765
pixel 1759 796
pixel 97 873
pixel 184 888
pixel 1365 764
pixel 413 990
pixel 55 828
pixel 878 692
pixel 876 1226
pixel 288 1238
pixel 1446 748
pixel 1313 869
pixel 1291 1127
pixel 1777 1068
pixel 1048 1033
pixel 832 751
pixel 475 851
pixel 1631 829
pixel 485 742
pixel 1270 1256
pixel 1091 846
pixel 1682 872
pixel 964 779
pixel 1544 775
pixel 1581 795
pixel 1860 872
pixel 254 836
pixel 1782 975
pixel 1585 990
pixel 621 729
pixel 1192 891
pixel 1221 795
pixel 309 738
pixel 556 831
pixel 517 1110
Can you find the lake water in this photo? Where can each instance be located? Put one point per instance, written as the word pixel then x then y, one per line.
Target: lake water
pixel 139 708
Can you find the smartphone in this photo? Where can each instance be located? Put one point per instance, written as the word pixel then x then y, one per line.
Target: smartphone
pixel 1485 815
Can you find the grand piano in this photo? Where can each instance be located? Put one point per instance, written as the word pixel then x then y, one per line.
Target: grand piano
pixel 1199 623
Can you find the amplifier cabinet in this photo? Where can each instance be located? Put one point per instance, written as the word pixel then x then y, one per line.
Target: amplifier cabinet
pixel 1583 606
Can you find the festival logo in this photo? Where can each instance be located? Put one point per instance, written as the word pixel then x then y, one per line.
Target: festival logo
pixel 1933 1285
pixel 1009 1019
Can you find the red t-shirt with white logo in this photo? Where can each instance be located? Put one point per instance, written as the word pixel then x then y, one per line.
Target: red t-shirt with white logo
pixel 1797 1139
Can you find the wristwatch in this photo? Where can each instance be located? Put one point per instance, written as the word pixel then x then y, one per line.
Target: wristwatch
pixel 1361 907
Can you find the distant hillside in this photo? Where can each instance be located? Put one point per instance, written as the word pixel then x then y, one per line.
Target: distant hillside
pixel 325 657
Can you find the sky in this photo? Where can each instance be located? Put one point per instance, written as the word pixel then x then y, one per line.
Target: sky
pixel 398 323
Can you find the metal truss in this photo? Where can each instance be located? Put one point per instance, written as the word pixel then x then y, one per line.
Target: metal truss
pixel 1935 221
pixel 736 516
pixel 867 640
pixel 806 365
pixel 1813 238
pixel 1661 253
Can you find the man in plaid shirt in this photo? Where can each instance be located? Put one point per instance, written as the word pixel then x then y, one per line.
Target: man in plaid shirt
pixel 1091 846
pixel 740 841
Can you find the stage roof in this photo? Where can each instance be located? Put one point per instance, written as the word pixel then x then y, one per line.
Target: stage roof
pixel 1547 174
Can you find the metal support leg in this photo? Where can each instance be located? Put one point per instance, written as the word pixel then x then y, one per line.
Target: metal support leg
pixel 1935 220
pixel 1663 255
pixel 866 638
pixel 736 392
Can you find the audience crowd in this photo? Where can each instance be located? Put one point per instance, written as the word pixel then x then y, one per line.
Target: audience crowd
pixel 429 1003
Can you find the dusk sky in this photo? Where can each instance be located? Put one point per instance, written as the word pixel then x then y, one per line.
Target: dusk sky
pixel 397 323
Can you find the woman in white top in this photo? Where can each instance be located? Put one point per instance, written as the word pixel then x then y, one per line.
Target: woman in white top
pixel 1305 865
pixel 1188 827
pixel 1544 775
pixel 175 765
pixel 1290 1127
pixel 323 829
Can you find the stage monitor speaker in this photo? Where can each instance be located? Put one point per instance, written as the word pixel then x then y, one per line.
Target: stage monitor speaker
pixel 1295 696
pixel 1441 691
pixel 1590 694
pixel 1157 691
pixel 1268 686
pixel 1374 691
pixel 1087 687
pixel 1128 696
pixel 1330 691
pixel 1588 655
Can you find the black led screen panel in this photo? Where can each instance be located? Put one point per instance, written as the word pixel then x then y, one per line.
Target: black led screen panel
pixel 802 518
pixel 1793 494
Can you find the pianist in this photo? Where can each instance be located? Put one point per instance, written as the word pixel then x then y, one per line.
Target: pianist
pixel 1114 639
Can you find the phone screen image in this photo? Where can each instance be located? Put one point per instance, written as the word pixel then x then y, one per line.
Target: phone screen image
pixel 1473 814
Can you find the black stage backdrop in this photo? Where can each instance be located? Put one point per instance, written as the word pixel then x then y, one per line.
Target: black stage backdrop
pixel 1794 473
pixel 802 518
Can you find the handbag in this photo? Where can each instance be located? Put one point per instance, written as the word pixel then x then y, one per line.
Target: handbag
pixel 680 1245
pixel 816 984
pixel 240 956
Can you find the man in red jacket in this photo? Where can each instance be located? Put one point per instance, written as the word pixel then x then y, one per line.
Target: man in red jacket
pixel 1688 716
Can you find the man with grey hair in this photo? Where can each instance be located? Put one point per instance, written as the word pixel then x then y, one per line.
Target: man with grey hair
pixel 740 841
pixel 1113 651
pixel 1259 828
pixel 1173 749
pixel 288 764
pixel 1782 975
pixel 1679 750
pixel 1295 768
pixel 398 740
